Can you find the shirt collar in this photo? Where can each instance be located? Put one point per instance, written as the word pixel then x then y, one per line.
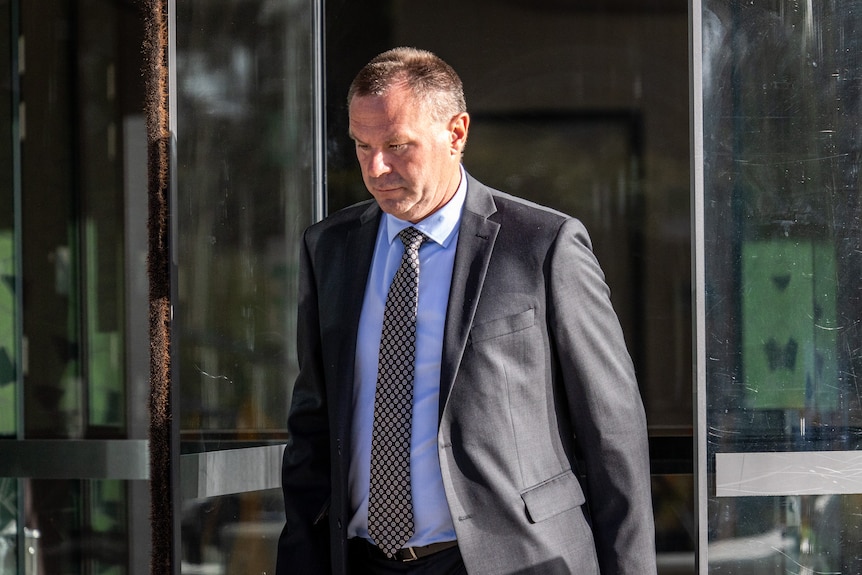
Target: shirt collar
pixel 439 226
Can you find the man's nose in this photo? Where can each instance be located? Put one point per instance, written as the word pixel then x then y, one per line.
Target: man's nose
pixel 378 165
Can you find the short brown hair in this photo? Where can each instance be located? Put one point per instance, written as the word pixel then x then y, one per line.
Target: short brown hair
pixel 425 74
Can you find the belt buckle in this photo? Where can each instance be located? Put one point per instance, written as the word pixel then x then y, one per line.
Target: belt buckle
pixel 412 557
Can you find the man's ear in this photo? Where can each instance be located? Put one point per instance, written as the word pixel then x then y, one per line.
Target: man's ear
pixel 458 128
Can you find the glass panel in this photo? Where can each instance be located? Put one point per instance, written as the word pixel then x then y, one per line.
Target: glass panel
pixel 76 98
pixel 8 272
pixel 71 112
pixel 100 161
pixel 781 109
pixel 245 189
pixel 673 501
pixel 8 347
pixel 8 526
pixel 74 527
pixel 77 527
pixel 232 534
pixel 51 314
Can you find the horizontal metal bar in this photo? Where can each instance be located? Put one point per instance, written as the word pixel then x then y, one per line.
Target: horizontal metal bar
pixel 788 473
pixel 126 459
pixel 225 472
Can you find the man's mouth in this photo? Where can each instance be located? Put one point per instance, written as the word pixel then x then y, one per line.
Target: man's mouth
pixel 387 189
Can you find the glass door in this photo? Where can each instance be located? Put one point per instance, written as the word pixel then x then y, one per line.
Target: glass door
pixel 246 115
pixel 73 339
pixel 777 108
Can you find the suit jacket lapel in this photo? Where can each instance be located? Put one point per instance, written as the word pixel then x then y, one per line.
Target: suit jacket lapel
pixel 475 243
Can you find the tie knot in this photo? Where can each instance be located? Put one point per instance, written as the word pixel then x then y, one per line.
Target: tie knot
pixel 411 238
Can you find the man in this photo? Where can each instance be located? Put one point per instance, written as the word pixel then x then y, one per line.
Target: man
pixel 514 372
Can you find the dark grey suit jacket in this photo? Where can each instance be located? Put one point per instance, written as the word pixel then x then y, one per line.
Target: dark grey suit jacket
pixel 536 388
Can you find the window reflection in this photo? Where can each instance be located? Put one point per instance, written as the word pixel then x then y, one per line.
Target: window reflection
pixel 75 527
pixel 77 101
pixel 232 534
pixel 244 75
pixel 71 244
pixel 8 525
pixel 782 256
pixel 245 189
pixel 8 275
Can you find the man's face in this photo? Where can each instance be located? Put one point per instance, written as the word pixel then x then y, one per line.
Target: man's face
pixel 409 161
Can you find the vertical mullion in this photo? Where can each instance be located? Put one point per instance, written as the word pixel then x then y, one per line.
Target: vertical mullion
pixel 173 266
pixel 698 282
pixel 319 203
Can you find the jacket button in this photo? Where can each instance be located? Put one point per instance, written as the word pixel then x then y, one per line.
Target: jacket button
pixel 338 523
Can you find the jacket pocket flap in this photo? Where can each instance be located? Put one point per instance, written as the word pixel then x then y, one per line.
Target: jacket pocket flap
pixel 557 494
pixel 503 325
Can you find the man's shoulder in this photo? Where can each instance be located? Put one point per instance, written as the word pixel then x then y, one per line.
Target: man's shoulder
pixel 345 219
pixel 511 209
pixel 524 222
pixel 523 206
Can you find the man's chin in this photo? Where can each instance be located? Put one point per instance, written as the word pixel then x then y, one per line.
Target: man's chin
pixel 397 208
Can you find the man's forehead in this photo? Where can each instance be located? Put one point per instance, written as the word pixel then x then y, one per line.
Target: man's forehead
pixel 386 131
pixel 382 121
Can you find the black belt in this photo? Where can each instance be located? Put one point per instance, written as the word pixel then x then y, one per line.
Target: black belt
pixel 408 553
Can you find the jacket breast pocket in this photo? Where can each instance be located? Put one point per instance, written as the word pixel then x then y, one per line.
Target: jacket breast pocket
pixel 503 325
pixel 555 495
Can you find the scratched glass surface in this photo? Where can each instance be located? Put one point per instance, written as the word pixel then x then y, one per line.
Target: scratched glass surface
pixel 244 191
pixel 783 261
pixel 245 184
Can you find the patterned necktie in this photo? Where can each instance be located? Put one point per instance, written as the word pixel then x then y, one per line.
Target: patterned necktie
pixel 390 509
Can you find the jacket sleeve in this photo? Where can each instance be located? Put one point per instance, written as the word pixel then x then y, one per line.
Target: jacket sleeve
pixel 304 543
pixel 604 404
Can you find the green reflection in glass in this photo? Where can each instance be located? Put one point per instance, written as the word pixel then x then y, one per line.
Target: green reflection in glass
pixel 783 256
pixel 8 272
pixel 7 335
pixel 102 238
pixel 50 255
pixel 108 523
pixel 788 311
pixel 79 527
pixel 104 338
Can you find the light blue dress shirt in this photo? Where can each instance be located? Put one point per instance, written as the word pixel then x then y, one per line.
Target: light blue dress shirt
pixel 431 518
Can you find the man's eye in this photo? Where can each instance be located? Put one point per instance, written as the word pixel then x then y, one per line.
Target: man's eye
pixel 398 147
